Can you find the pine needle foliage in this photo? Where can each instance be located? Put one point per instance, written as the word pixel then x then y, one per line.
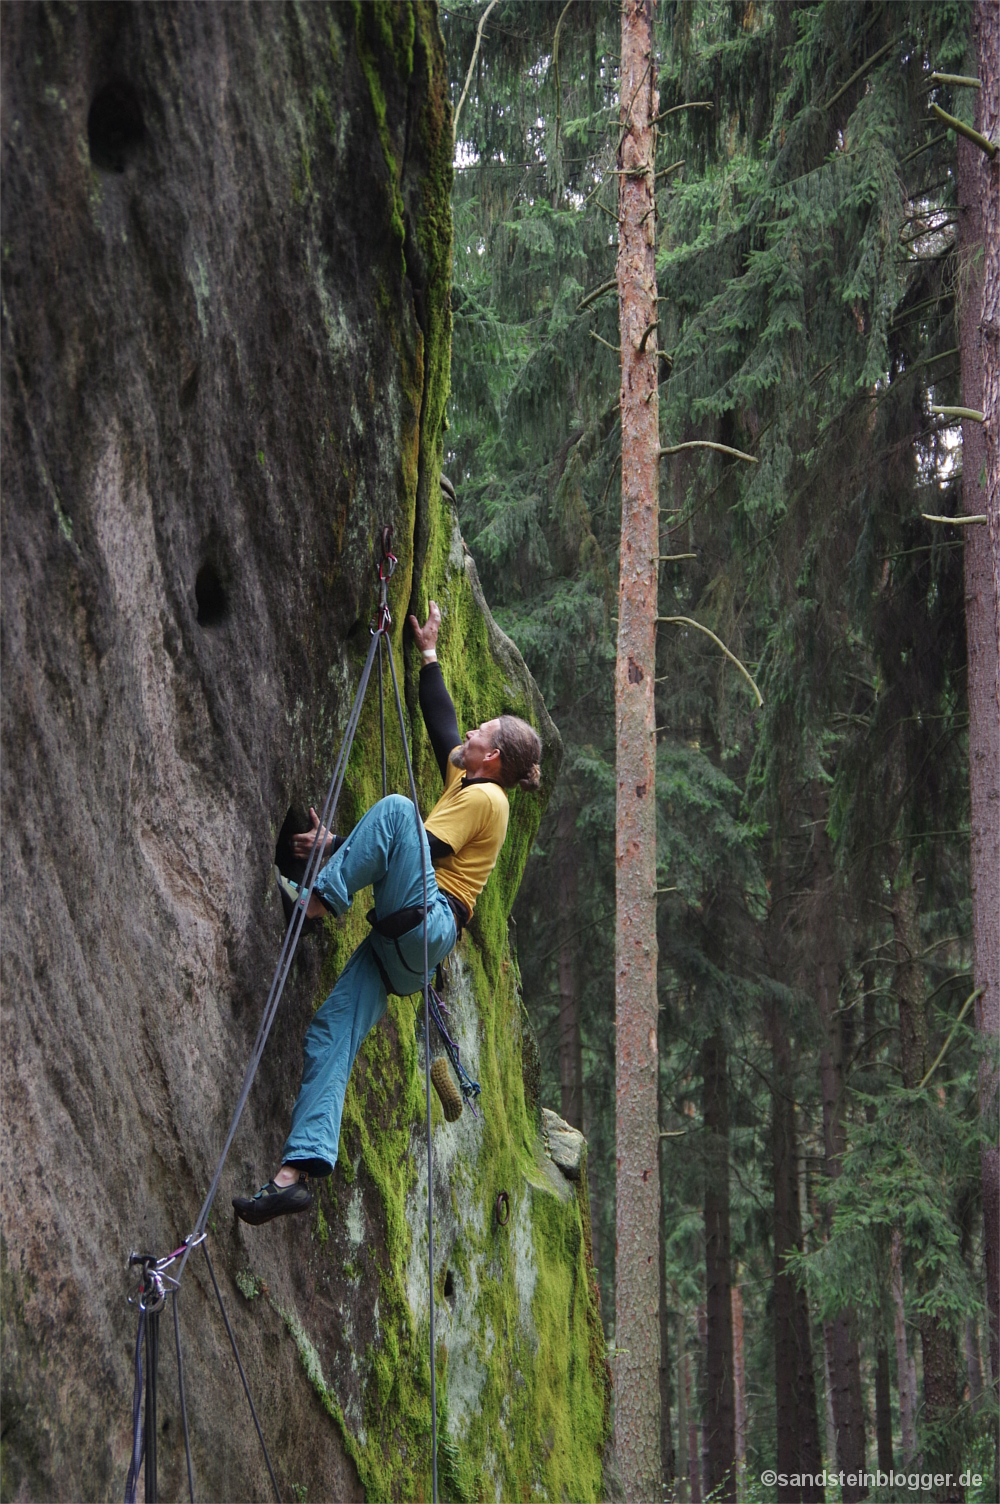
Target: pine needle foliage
pixel 809 278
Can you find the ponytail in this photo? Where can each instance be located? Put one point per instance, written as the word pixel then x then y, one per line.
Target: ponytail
pixel 520 751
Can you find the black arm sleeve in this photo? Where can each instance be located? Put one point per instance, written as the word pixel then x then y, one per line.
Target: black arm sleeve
pixel 439 849
pixel 439 713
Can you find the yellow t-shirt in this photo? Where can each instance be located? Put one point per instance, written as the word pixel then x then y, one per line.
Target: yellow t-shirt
pixel 472 820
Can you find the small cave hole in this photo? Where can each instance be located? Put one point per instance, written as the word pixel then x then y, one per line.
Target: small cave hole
pixel 115 127
pixel 449 1285
pixel 189 387
pixel 287 863
pixel 210 596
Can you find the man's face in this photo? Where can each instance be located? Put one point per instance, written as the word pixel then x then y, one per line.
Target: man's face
pixel 476 748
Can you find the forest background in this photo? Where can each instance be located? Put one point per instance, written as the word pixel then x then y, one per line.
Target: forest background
pixel 823 1288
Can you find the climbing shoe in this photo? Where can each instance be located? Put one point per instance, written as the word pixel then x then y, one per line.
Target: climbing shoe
pixel 448 1092
pixel 288 892
pixel 273 1201
pixel 289 895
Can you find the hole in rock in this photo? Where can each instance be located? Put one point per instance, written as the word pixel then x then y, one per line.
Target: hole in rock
pixel 449 1285
pixel 114 125
pixel 189 388
pixel 284 856
pixel 211 598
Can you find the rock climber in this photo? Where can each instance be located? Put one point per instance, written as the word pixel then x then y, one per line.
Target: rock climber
pixel 464 833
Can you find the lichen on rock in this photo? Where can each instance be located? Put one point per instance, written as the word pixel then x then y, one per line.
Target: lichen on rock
pixel 226 343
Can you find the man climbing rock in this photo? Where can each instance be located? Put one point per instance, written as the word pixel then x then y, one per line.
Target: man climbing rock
pixel 464 833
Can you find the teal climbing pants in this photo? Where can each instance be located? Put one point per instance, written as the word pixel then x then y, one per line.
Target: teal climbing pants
pixel 382 850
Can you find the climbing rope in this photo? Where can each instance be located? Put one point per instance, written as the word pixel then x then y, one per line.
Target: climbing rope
pixel 156 1283
pixel 137 1432
pixel 470 1089
pixel 422 842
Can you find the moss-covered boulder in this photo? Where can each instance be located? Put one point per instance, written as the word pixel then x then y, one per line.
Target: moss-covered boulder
pixel 225 271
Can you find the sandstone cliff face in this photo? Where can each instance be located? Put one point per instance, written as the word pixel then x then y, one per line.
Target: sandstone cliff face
pixel 225 265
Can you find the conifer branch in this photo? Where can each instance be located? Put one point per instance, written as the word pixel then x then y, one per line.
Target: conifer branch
pixel 859 73
pixel 611 477
pixel 929 360
pixel 472 64
pixel 967 131
pixel 709 444
pixel 905 314
pixel 929 230
pixel 964 521
pixel 666 171
pixel 695 104
pixel 616 348
pixel 672 558
pixel 972 413
pixel 960 80
pixel 645 335
pixel 942 1052
pixel 689 621
pixel 935 142
pixel 598 292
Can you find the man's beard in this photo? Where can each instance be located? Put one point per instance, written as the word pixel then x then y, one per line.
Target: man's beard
pixel 457 756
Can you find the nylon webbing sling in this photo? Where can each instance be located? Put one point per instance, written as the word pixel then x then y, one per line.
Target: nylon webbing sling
pixel 156 1280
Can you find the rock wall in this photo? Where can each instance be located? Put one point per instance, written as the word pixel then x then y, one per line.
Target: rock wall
pixel 225 341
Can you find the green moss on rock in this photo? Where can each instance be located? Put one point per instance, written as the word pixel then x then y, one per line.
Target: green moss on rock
pixel 521 1369
pixel 522 1375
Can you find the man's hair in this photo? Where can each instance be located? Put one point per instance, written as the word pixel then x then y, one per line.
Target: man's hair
pixel 520 751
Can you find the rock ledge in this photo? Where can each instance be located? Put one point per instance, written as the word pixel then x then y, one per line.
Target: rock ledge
pixel 565 1144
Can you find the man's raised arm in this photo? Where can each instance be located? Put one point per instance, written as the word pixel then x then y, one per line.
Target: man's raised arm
pixel 436 704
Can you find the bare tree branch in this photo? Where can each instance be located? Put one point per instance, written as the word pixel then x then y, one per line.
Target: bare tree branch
pixel 708 444
pixel 472 64
pixel 689 621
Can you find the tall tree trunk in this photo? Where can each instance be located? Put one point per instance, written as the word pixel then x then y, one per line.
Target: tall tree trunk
pixel 907 1397
pixel 841 1330
pixel 637 1333
pixel 701 1319
pixel 739 1380
pixel 570 1048
pixel 883 1388
pixel 667 1462
pixel 982 630
pixel 720 1419
pixel 883 1403
pixel 689 1467
pixel 937 1341
pixel 973 1364
pixel 988 27
pixel 831 1424
pixel 595 1220
pixel 810 1451
pixel 799 1448
pixel 973 1357
pixel 683 1391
